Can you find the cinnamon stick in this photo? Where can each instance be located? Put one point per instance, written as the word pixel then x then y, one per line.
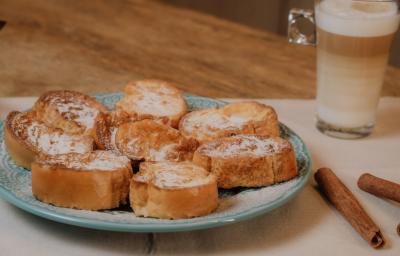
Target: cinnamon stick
pixel 342 198
pixel 2 24
pixel 398 229
pixel 379 187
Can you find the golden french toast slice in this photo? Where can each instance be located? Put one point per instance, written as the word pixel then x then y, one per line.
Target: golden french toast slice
pixel 154 98
pixel 93 181
pixel 70 111
pixel 25 137
pixel 173 190
pixel 248 160
pixel 236 118
pixel 151 141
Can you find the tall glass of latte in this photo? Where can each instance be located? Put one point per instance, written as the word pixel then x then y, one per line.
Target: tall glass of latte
pixel 353 41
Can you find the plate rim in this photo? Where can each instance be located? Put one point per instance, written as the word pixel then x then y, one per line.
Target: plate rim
pixel 170 226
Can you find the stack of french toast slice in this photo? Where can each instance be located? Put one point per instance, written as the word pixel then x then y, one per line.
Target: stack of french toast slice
pixel 147 151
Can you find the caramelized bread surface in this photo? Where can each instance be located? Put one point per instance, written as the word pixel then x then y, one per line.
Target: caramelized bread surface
pixel 154 98
pixel 236 118
pixel 25 137
pixel 248 160
pixel 173 190
pixel 151 141
pixel 71 111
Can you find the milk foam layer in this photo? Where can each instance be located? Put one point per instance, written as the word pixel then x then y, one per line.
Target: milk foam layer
pixel 356 18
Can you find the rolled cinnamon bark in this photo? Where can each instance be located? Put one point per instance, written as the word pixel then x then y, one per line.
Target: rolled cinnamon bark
pixel 398 229
pixel 379 187
pixel 342 198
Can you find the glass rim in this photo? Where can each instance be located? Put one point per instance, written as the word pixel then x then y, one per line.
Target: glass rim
pixel 376 1
pixel 371 1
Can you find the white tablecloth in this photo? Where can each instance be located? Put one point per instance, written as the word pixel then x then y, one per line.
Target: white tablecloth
pixel 307 225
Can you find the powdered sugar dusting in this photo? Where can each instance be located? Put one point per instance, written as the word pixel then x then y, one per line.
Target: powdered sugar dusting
pixel 247 145
pixel 113 134
pixel 156 103
pixel 157 100
pixel 54 141
pixel 162 153
pixel 97 160
pixel 46 140
pixel 19 123
pixel 210 120
pixel 79 112
pixel 175 175
pixel 132 149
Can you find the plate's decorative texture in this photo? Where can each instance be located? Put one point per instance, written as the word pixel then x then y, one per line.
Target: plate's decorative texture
pixel 235 205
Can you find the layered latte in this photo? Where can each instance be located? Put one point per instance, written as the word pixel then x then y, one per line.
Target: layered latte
pixel 354 39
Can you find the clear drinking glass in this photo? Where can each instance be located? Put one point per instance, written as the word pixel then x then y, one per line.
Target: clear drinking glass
pixel 353 40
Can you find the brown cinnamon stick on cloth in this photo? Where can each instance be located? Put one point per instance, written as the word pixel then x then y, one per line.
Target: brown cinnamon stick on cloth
pixel 2 24
pixel 379 187
pixel 342 198
pixel 398 229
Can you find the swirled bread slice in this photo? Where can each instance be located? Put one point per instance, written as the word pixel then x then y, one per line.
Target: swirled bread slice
pixel 173 190
pixel 154 98
pixel 248 160
pixel 106 126
pixel 25 137
pixel 151 141
pixel 237 118
pixel 93 181
pixel 71 111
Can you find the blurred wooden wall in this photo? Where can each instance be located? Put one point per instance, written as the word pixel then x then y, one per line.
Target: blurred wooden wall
pixel 269 15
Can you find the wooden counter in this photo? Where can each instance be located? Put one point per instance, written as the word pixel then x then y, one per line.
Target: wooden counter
pixel 91 47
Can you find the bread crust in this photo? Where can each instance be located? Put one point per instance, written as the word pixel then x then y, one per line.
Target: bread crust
pixel 151 141
pixel 248 160
pixel 25 137
pixel 174 199
pixel 154 99
pixel 80 188
pixel 18 150
pixel 71 111
pixel 250 117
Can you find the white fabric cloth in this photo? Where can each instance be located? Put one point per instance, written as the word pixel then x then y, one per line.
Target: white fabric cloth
pixel 306 225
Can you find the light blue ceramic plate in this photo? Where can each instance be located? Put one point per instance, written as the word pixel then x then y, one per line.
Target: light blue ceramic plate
pixel 235 205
